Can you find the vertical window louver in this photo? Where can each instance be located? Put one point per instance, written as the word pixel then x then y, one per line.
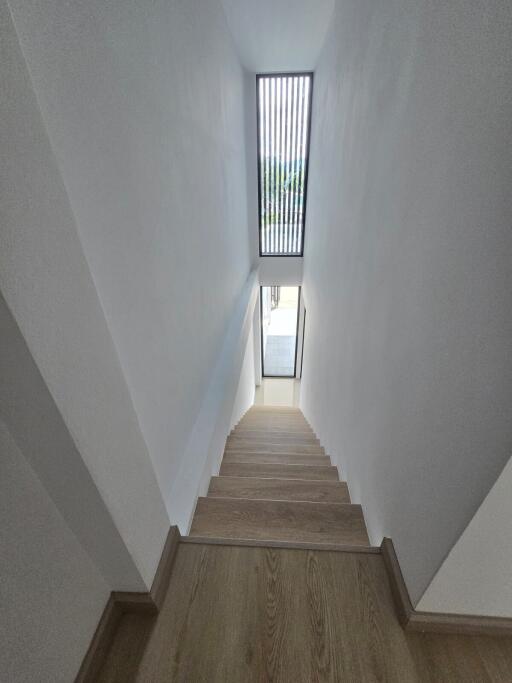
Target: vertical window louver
pixel 284 114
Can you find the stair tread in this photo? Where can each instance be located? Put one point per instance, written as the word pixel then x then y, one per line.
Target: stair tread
pixel 273 436
pixel 308 472
pixel 279 489
pixel 309 441
pixel 335 523
pixel 276 458
pixel 270 447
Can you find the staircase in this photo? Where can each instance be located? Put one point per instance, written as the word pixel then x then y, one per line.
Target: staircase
pixel 277 486
pixel 291 608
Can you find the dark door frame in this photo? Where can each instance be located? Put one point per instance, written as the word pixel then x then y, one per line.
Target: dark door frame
pixel 296 336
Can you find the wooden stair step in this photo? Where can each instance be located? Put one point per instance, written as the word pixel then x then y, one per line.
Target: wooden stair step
pixel 279 489
pixel 248 417
pixel 276 426
pixel 273 409
pixel 274 417
pixel 277 433
pixel 274 436
pixel 276 458
pixel 280 521
pixel 271 447
pixel 281 471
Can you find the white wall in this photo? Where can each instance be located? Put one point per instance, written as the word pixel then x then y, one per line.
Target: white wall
pixel 207 440
pixel 476 576
pixel 51 595
pixel 407 375
pixel 144 106
pixel 47 286
pixel 34 422
pixel 285 271
pixel 278 35
pixel 244 398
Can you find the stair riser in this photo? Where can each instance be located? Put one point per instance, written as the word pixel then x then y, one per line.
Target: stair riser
pixel 267 434
pixel 279 521
pixel 304 472
pixel 282 433
pixel 279 489
pixel 277 426
pixel 275 418
pixel 276 459
pixel 274 438
pixel 268 447
pixel 281 419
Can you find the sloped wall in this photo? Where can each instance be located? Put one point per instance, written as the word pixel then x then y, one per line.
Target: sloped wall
pixel 475 577
pixel 144 106
pixel 51 594
pixel 47 286
pixel 407 373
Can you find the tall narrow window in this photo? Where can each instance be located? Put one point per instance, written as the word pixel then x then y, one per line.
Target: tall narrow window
pixel 284 115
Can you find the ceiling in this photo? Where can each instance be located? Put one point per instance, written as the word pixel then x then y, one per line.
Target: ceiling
pixel 278 35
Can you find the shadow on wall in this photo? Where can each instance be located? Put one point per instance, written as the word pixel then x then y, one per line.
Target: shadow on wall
pixel 35 423
pixel 407 368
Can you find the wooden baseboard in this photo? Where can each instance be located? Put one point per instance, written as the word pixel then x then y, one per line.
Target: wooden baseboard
pixel 435 622
pixel 122 602
pixel 163 571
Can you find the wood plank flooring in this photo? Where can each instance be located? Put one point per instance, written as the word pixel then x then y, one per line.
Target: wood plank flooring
pixel 243 615
pixel 307 473
pixel 279 489
pixel 280 520
pixel 288 499
pixel 243 606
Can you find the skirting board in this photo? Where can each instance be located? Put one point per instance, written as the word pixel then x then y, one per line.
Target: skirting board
pixel 435 622
pixel 121 602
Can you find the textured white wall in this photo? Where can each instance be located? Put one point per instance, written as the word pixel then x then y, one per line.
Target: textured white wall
pixel 47 285
pixel 51 595
pixel 34 422
pixel 476 577
pixel 278 35
pixel 407 375
pixel 207 440
pixel 285 271
pixel 244 398
pixel 144 106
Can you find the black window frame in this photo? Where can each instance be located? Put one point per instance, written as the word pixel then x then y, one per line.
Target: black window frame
pixel 283 74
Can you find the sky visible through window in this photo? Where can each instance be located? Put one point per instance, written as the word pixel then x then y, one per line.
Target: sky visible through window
pixel 284 107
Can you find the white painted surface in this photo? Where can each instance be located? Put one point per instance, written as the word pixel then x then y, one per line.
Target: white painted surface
pixel 145 111
pixel 476 577
pixel 285 271
pixel 256 326
pixel 34 422
pixel 407 375
pixel 278 392
pixel 278 35
pixel 208 437
pixel 300 336
pixel 244 398
pixel 47 285
pixel 51 595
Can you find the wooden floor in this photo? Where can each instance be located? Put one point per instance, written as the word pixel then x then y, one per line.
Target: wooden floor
pixel 276 484
pixel 239 614
pixel 268 613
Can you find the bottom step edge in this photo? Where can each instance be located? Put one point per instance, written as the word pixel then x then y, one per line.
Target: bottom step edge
pixel 290 545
